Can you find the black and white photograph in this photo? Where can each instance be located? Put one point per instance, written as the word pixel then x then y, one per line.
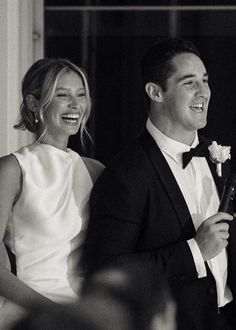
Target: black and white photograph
pixel 118 165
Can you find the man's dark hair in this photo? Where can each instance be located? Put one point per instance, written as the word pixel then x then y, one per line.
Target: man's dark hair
pixel 156 63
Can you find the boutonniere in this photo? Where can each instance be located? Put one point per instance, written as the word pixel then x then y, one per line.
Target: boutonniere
pixel 219 154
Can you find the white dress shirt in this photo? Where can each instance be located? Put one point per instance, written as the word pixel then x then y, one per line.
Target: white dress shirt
pixel 201 197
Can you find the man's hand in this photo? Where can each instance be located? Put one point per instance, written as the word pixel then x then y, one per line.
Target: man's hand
pixel 212 236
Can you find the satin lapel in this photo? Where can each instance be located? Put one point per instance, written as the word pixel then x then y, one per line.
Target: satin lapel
pixel 169 183
pixel 219 181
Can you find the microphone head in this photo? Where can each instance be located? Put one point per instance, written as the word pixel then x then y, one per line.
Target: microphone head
pixel 228 193
pixel 232 178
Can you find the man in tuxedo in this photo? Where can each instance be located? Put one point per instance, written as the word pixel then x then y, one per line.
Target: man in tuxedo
pixel 156 203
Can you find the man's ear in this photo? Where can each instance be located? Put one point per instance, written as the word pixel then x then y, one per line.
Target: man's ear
pixel 32 102
pixel 154 91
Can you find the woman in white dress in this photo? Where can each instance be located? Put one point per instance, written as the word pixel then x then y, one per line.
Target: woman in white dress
pixel 44 192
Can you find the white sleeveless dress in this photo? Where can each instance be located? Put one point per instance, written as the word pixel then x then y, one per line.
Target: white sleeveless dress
pixel 46 227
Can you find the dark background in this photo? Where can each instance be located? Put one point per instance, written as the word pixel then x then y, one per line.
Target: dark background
pixel 108 42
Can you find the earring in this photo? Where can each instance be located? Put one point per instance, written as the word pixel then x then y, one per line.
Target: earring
pixel 36 119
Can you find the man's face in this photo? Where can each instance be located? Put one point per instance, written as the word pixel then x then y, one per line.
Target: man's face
pixel 187 95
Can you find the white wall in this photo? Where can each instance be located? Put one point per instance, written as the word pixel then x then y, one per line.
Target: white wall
pixel 21 40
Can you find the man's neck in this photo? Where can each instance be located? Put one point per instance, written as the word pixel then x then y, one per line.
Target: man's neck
pixel 178 135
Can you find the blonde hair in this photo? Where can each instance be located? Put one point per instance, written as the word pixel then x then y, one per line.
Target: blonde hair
pixel 40 81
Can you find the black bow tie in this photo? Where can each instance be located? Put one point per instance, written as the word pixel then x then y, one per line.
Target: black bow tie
pixel 201 150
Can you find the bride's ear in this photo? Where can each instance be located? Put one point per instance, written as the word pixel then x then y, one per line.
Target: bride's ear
pixel 32 102
pixel 154 91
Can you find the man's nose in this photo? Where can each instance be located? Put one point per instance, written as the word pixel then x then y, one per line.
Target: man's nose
pixel 203 90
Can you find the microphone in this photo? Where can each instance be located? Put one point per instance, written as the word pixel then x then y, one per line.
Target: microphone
pixel 228 193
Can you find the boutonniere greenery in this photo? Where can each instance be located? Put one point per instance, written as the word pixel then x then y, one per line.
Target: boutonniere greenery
pixel 219 154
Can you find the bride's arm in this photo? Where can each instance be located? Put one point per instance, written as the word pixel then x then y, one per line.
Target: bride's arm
pixel 11 287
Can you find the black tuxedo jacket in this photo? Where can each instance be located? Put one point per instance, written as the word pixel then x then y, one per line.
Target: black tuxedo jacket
pixel 138 211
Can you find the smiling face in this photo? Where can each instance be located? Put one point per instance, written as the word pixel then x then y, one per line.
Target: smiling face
pixel 185 101
pixel 64 114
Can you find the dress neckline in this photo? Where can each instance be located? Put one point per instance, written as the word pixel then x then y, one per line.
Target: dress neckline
pixel 67 151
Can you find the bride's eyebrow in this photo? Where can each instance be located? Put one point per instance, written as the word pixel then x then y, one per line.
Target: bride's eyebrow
pixel 68 89
pixel 61 88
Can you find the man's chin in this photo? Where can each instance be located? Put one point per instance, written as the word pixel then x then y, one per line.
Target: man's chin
pixel 201 124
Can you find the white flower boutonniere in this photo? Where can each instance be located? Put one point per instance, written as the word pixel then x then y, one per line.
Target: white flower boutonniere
pixel 219 154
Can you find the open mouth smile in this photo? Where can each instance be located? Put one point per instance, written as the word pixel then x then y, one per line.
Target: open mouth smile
pixel 71 118
pixel 198 107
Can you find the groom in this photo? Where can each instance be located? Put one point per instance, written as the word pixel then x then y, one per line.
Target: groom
pixel 156 203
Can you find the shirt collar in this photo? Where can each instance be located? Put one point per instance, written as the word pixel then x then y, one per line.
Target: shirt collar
pixel 173 148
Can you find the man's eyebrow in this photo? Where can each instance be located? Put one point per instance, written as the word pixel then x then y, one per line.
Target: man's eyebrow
pixel 188 76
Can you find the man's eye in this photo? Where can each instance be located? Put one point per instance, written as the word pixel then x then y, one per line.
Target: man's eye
pixel 188 83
